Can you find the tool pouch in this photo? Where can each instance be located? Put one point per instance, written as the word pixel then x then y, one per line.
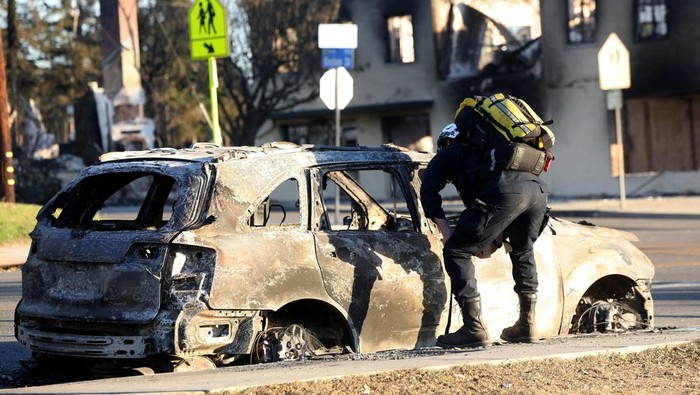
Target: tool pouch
pixel 524 157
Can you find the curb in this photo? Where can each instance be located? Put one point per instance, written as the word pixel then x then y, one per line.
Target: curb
pixel 243 378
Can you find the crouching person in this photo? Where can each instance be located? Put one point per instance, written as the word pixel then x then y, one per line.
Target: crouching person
pixel 497 202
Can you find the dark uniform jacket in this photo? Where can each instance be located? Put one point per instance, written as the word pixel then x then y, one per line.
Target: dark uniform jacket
pixel 470 174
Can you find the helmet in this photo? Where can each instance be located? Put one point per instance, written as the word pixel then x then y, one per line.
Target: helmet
pixel 448 132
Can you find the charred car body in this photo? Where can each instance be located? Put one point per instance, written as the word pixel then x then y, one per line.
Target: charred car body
pixel 241 253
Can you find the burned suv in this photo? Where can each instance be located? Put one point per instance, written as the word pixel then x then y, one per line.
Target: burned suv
pixel 211 255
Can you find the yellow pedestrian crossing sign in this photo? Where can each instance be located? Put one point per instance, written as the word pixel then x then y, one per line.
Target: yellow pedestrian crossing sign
pixel 208 30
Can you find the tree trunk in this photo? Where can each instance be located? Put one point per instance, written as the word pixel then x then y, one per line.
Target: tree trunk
pixel 249 130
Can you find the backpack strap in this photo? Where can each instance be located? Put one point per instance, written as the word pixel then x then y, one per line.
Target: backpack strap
pixel 546 123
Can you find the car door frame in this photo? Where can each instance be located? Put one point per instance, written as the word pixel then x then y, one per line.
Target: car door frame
pixel 378 286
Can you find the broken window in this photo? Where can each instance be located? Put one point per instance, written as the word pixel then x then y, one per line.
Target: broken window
pixel 279 209
pixel 478 43
pixel 370 199
pixel 401 49
pixel 581 21
pixel 117 201
pixel 651 19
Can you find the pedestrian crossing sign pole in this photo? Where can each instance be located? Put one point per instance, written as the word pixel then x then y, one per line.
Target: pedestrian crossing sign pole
pixel 208 41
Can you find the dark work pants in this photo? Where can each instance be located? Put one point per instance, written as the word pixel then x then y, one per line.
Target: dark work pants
pixel 519 214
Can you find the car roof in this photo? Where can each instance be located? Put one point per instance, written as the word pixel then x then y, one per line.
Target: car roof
pixel 320 154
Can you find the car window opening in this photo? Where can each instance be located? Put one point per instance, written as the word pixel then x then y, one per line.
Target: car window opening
pixel 281 208
pixel 358 209
pixel 117 201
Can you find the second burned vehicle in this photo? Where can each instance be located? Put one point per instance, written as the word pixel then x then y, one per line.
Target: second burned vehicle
pixel 238 254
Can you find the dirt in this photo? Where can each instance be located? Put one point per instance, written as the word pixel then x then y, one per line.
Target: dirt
pixel 664 370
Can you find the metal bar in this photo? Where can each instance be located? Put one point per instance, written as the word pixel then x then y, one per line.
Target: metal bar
pixel 337 144
pixel 620 155
pixel 213 85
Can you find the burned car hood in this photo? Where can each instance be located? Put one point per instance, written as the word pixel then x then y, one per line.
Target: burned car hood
pixel 569 228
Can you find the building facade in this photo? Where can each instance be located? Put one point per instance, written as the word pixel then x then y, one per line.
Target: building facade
pixel 661 109
pixel 416 60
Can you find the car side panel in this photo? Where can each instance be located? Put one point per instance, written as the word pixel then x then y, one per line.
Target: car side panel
pixel 391 284
pixel 500 302
pixel 263 269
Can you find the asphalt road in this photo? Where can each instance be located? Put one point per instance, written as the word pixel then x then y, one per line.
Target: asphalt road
pixel 670 240
pixel 10 352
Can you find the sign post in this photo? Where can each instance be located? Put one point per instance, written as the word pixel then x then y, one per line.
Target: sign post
pixel 337 42
pixel 614 75
pixel 208 41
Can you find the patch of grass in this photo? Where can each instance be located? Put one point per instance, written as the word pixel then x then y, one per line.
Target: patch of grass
pixel 661 370
pixel 16 221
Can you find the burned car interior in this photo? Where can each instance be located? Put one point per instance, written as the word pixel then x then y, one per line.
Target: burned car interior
pixel 212 256
pixel 362 211
pixel 275 210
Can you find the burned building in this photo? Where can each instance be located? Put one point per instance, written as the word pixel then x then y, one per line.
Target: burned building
pixel 661 109
pixel 415 62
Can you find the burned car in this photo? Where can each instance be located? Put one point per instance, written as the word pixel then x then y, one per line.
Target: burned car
pixel 282 251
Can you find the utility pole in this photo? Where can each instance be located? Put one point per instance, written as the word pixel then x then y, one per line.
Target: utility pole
pixel 12 51
pixel 8 170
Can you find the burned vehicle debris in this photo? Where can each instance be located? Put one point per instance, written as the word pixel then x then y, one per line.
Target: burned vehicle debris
pixel 241 254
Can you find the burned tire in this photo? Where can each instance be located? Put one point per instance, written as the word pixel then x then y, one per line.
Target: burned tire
pixel 612 304
pixel 301 330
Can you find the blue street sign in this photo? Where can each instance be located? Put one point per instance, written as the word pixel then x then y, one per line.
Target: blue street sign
pixel 337 57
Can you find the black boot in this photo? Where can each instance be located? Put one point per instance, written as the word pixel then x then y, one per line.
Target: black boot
pixel 472 333
pixel 524 330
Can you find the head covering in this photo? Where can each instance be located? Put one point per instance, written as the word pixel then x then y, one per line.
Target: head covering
pixel 448 132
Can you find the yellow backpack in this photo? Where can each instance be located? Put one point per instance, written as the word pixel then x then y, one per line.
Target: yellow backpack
pixel 511 129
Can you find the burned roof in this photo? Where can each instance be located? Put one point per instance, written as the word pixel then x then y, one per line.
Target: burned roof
pixel 320 153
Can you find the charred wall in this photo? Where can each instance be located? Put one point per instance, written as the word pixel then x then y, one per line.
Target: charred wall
pixel 670 65
pixel 660 133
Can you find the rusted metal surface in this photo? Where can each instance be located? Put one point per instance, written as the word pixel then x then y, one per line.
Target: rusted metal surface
pixel 214 280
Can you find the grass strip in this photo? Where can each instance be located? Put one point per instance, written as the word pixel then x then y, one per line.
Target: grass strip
pixel 16 221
